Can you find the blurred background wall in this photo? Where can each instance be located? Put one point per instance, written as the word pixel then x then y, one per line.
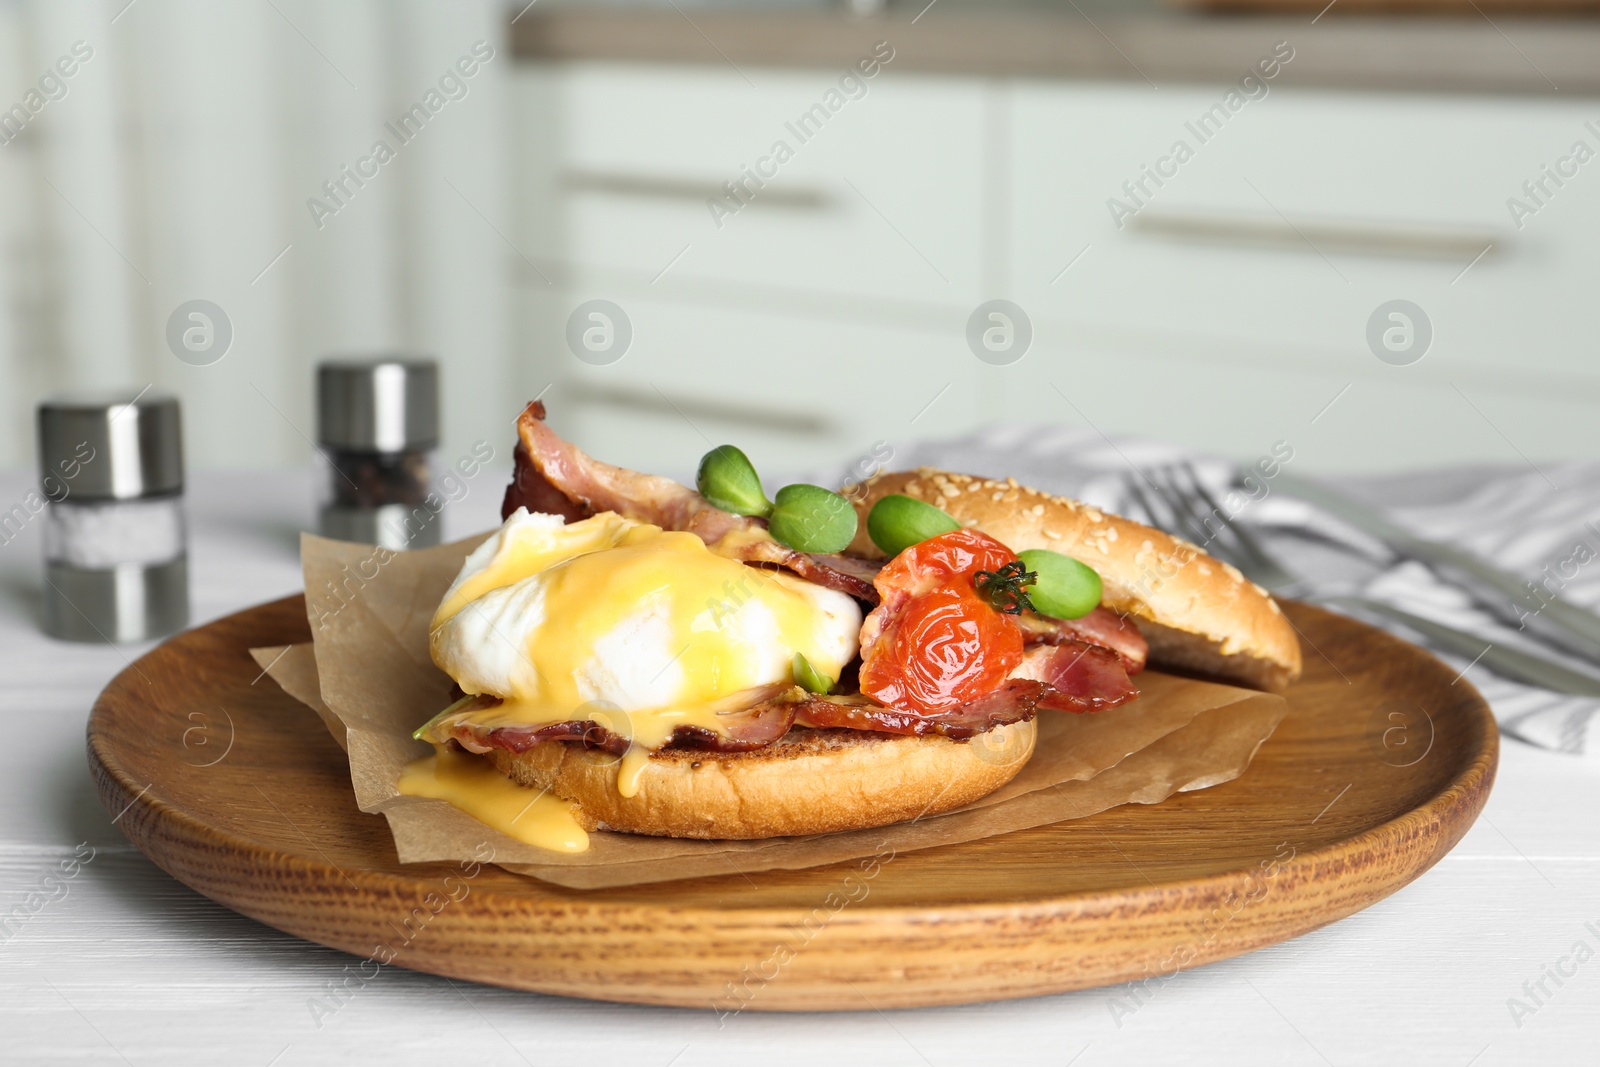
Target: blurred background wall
pixel 177 165
pixel 830 311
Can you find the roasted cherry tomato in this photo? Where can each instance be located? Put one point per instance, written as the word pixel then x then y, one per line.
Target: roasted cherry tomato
pixel 959 553
pixel 942 648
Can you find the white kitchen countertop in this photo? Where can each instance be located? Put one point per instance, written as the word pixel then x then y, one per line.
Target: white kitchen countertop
pixel 129 963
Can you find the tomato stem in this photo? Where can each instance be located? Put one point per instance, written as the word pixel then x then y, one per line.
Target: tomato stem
pixel 1006 588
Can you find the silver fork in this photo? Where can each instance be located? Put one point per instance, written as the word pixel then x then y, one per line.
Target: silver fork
pixel 1174 499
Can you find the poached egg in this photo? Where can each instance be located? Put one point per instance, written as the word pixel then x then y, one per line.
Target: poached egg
pixel 635 627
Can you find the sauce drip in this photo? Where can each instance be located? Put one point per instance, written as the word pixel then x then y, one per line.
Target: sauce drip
pixel 473 785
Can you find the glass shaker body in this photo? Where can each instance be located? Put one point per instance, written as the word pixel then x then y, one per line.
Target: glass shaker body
pixel 117 570
pixel 379 498
pixel 115 536
pixel 377 431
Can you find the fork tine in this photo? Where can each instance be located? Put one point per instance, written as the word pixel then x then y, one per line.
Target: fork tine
pixel 1191 517
pixel 1250 544
pixel 1186 515
pixel 1174 515
pixel 1136 491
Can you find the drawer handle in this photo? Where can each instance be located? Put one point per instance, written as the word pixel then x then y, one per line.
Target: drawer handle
pixel 659 187
pixel 1392 240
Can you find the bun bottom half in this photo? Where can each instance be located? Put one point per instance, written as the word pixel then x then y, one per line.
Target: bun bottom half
pixel 807 782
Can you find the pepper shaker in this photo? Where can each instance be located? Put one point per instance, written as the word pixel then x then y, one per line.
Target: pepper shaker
pixel 377 428
pixel 115 538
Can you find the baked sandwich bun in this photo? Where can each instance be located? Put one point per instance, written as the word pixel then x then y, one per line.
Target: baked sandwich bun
pixel 1198 614
pixel 635 655
pixel 807 782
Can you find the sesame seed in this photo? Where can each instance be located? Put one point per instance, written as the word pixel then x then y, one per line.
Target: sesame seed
pixel 1111 533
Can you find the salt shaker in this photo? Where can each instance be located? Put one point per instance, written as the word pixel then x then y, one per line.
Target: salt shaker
pixel 377 430
pixel 115 539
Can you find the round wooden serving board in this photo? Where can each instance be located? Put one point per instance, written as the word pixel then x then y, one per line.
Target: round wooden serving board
pixel 1381 765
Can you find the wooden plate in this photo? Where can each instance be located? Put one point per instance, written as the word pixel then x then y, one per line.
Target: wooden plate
pixel 237 790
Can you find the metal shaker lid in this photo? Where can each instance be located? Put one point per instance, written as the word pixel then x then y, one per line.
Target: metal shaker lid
pixel 110 445
pixel 378 405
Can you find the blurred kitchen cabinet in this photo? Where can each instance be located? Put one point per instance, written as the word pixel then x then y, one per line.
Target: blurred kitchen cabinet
pixel 783 247
pixel 879 197
pixel 818 303
pixel 794 391
pixel 1258 259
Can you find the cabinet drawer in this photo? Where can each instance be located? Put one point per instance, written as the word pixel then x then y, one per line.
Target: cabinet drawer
pixel 1310 165
pixel 795 392
pixel 880 197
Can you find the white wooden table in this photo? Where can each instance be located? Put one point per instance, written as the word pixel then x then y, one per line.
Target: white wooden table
pixel 123 964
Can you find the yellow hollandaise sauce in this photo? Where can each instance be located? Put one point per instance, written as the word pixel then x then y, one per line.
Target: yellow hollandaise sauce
pixel 472 784
pixel 639 629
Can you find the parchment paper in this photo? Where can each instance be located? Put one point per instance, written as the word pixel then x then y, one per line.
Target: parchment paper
pixel 368 675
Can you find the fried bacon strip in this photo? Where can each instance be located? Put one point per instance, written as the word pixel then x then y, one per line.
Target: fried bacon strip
pixel 763 723
pixel 556 477
pixel 1066 677
pixel 748 728
pixel 1101 627
pixel 1079 677
pixel 1015 701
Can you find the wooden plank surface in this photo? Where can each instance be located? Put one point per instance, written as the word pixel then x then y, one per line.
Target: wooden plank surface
pixel 131 961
